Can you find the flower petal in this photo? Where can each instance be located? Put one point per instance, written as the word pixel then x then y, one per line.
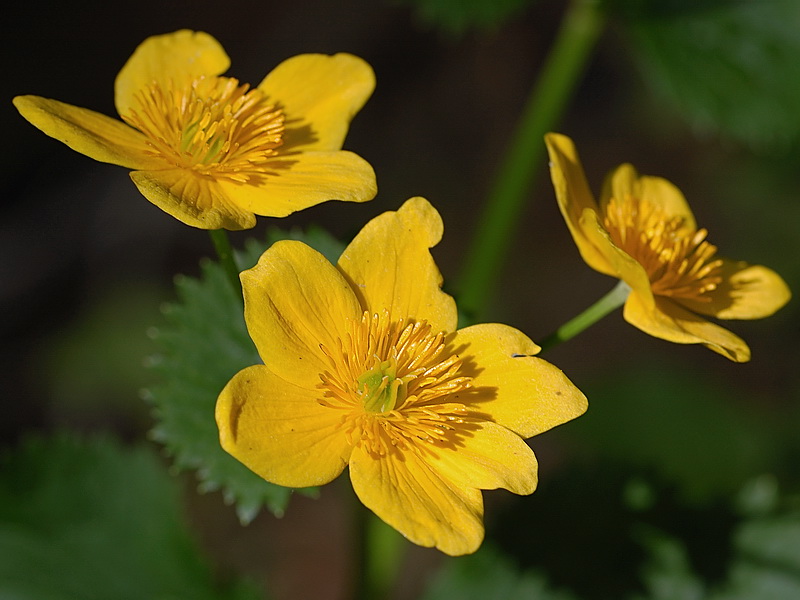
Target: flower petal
pixel 623 265
pixel 279 431
pixel 574 196
pixel 486 456
pixel 91 133
pixel 295 301
pixel 624 182
pixel 173 57
pixel 403 490
pixel 746 292
pixel 319 94
pixel 668 321
pixel 305 180
pixel 390 267
pixel 192 199
pixel 525 394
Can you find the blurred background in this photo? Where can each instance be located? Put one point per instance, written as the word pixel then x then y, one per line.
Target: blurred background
pixel 86 262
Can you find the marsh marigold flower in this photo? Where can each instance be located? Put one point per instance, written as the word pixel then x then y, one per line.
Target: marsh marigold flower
pixel 214 152
pixel 643 233
pixel 363 367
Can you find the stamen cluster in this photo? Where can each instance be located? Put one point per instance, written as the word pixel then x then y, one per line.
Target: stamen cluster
pixel 394 383
pixel 213 126
pixel 679 262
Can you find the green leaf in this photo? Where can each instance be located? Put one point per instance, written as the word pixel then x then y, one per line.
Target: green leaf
pixel 768 562
pixel 728 67
pixel 202 345
pixel 667 574
pixel 682 424
pixel 458 16
pixel 95 521
pixel 765 563
pixel 489 574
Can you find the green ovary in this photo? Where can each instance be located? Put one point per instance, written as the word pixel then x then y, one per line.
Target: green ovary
pixel 380 388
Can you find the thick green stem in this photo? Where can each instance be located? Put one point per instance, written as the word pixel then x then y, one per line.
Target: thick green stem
pixel 550 95
pixel 379 550
pixel 611 301
pixel 225 253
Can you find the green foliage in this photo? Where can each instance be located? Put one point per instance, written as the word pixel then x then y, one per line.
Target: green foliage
pixel 202 345
pixel 757 554
pixel 729 67
pixel 95 521
pixel 458 16
pixel 765 563
pixel 681 424
pixel 487 575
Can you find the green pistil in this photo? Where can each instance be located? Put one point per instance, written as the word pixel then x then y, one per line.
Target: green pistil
pixel 380 387
pixel 214 150
pixel 188 135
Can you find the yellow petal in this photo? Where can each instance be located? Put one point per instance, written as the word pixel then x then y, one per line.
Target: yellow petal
pixel 527 395
pixel 192 199
pixel 390 267
pixel 670 322
pixel 746 292
pixel 91 133
pixel 279 431
pixel 319 94
pixel 624 182
pixel 173 57
pixel 484 456
pixel 304 180
pixel 425 507
pixel 623 265
pixel 295 300
pixel 574 197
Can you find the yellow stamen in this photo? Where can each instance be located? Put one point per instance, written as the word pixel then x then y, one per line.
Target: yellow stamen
pixel 679 262
pixel 213 126
pixel 393 382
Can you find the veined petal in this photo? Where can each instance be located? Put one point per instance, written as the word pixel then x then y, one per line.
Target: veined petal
pixel 390 267
pixel 523 393
pixel 574 196
pixel 668 321
pixel 295 301
pixel 279 431
pixel 319 94
pixel 88 132
pixel 304 180
pixel 746 292
pixel 486 456
pixel 173 57
pixel 193 199
pixel 425 507
pixel 624 182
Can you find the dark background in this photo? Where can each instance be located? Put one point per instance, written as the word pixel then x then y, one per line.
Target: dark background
pixel 86 262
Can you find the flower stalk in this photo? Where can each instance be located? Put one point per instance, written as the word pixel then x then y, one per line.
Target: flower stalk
pixel 378 555
pixel 558 79
pixel 608 303
pixel 225 254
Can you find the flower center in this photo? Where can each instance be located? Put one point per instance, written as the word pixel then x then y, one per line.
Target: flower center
pixel 394 383
pixel 679 262
pixel 213 126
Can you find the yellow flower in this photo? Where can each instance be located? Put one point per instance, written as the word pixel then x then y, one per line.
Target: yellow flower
pixel 644 233
pixel 212 152
pixel 364 368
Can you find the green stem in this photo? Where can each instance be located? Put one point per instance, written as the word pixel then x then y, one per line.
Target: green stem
pixel 379 551
pixel 611 301
pixel 225 253
pixel 558 79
